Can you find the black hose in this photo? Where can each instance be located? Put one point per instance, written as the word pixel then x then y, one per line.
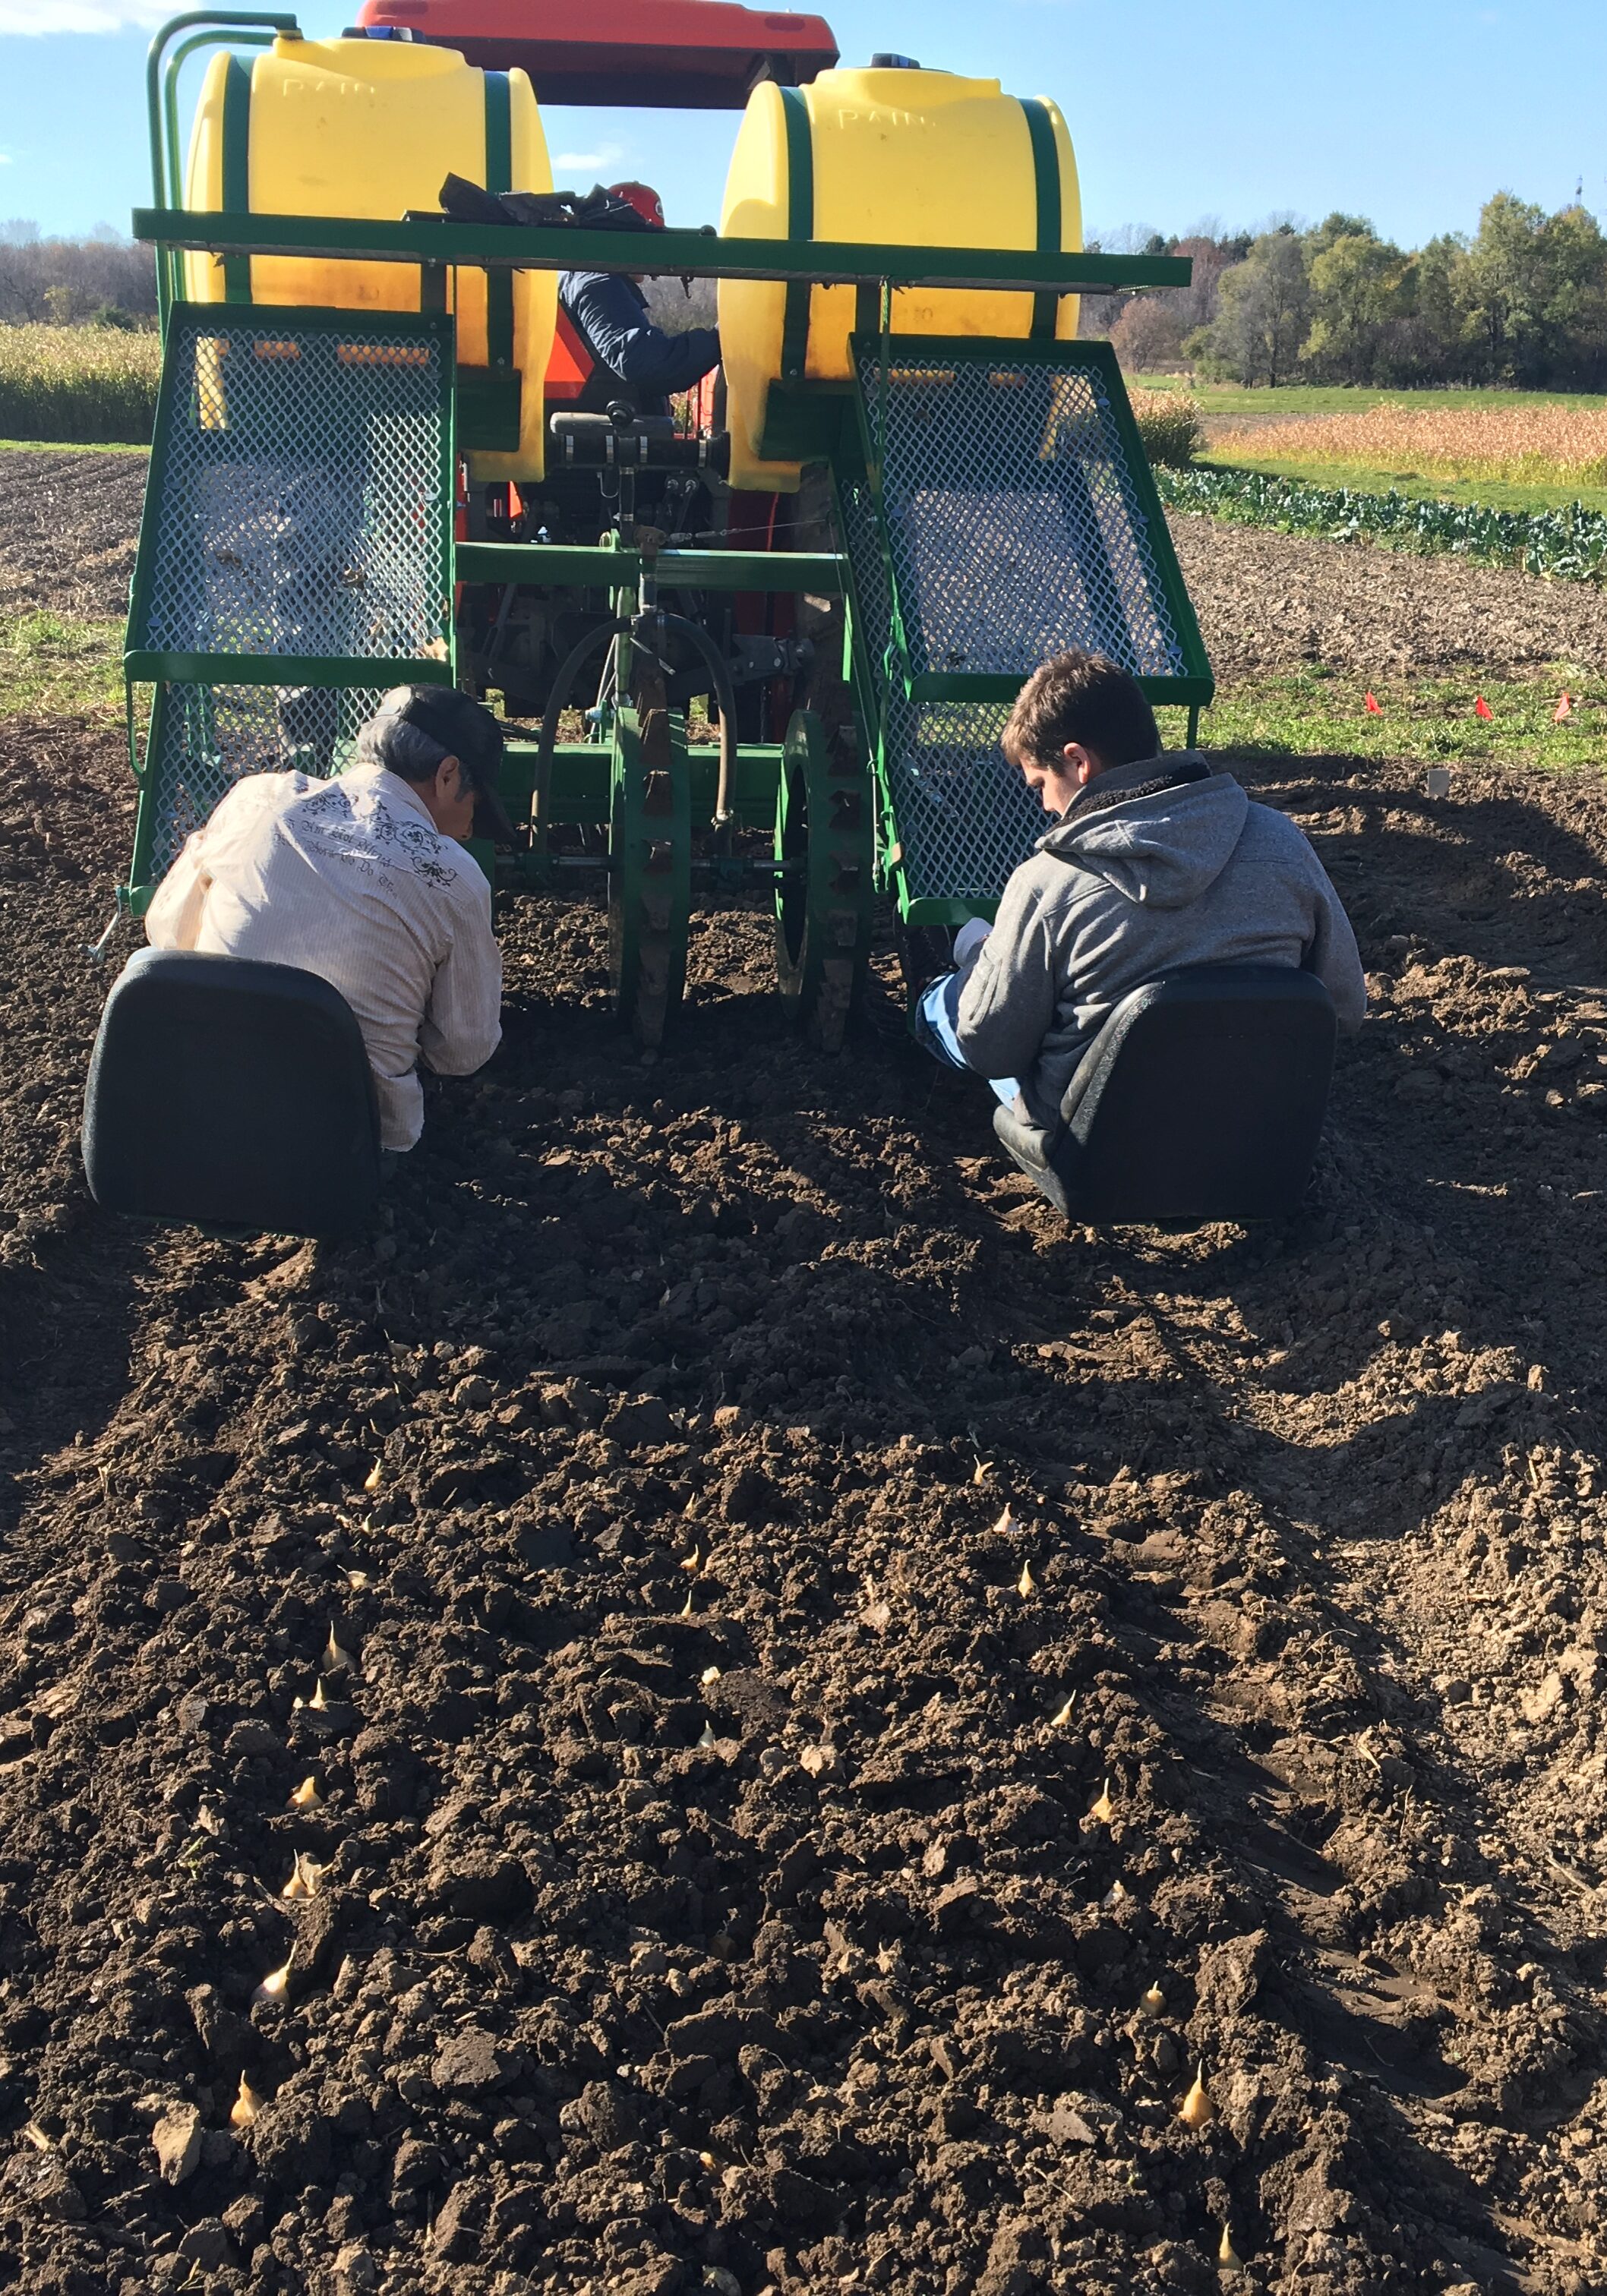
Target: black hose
pixel 558 695
pixel 725 694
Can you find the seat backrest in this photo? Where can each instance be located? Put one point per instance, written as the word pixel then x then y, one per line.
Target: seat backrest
pixel 231 1093
pixel 1201 1098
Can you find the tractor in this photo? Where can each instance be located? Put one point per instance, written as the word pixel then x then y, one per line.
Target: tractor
pixel 768 642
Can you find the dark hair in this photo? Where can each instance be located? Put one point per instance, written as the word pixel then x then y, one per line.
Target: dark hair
pixel 1081 697
pixel 415 727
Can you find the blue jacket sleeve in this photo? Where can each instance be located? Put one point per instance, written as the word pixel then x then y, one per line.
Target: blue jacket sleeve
pixel 610 314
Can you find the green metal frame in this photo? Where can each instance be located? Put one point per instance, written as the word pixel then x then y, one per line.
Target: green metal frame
pixel 650 874
pixel 685 254
pixel 1196 685
pixel 580 785
pixel 824 828
pixel 143 665
pixel 147 666
pixel 220 27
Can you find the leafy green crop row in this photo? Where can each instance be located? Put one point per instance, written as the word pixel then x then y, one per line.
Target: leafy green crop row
pixel 78 385
pixel 1569 545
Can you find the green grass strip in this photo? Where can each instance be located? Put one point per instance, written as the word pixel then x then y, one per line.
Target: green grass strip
pixel 1569 545
pixel 1315 712
pixel 53 667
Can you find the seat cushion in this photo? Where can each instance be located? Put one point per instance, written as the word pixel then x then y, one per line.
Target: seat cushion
pixel 231 1093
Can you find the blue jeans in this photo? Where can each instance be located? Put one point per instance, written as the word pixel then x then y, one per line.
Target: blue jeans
pixel 934 1026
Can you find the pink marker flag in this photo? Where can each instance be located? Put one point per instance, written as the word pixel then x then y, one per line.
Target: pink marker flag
pixel 1373 710
pixel 1481 708
pixel 1562 712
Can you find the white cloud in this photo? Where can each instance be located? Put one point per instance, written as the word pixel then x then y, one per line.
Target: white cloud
pixel 38 16
pixel 579 162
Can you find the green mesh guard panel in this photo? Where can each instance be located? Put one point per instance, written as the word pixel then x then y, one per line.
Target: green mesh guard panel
pixel 964 817
pixel 205 738
pixel 300 490
pixel 1010 517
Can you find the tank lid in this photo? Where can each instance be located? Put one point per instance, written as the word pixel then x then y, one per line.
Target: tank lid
pixel 673 54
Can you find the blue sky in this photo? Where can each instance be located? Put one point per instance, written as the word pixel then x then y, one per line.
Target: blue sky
pixel 1412 111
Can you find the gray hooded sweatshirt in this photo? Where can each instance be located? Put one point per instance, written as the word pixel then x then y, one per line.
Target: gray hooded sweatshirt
pixel 1126 887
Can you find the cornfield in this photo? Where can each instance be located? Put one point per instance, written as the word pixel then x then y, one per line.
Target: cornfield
pixel 1545 442
pixel 1569 545
pixel 82 385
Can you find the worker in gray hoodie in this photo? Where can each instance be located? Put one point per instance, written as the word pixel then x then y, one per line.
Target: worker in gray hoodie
pixel 1153 863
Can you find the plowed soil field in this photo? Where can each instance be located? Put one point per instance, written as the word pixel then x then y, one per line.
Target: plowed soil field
pixel 824 1731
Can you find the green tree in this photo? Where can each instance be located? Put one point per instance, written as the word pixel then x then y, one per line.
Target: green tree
pixel 1358 298
pixel 1263 314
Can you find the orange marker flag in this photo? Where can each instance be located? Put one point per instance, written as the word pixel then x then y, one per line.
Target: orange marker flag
pixel 1374 709
pixel 1562 712
pixel 1481 708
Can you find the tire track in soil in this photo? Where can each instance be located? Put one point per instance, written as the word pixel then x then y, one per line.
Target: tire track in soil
pixel 754 1852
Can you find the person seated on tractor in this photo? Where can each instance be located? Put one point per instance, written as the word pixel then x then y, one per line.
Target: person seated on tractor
pixel 1154 862
pixel 635 361
pixel 363 879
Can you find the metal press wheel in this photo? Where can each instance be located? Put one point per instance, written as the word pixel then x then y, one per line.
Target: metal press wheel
pixel 649 873
pixel 823 905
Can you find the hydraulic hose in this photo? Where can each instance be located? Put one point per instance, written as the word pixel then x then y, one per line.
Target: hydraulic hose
pixel 568 669
pixel 725 694
pixel 558 695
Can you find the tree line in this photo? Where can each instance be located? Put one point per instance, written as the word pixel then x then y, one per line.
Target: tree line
pixel 105 277
pixel 1522 303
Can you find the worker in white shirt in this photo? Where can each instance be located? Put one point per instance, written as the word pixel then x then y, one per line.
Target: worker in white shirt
pixel 362 879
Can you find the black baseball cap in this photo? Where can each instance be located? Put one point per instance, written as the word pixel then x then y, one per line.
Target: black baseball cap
pixel 467 731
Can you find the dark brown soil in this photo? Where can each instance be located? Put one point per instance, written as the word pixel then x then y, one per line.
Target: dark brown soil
pixel 68 526
pixel 844 1694
pixel 1274 601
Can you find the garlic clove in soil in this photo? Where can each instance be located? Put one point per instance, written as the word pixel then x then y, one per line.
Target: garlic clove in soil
pixel 1026 1584
pixel 1197 2107
pixel 1005 1523
pixel 374 1480
pixel 1104 1809
pixel 243 2112
pixel 984 1468
pixel 1060 1719
pixel 693 1562
pixel 1152 2002
pixel 306 1796
pixel 337 1661
pixel 276 1983
pixel 707 1738
pixel 1228 2255
pixel 305 1874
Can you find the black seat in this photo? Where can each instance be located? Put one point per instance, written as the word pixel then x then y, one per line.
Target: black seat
pixel 1201 1098
pixel 231 1093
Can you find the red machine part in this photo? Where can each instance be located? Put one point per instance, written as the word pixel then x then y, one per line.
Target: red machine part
pixel 672 55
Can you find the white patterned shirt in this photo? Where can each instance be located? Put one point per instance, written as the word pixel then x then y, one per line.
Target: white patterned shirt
pixel 350 879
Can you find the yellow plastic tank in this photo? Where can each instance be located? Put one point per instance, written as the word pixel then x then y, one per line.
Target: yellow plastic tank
pixel 915 158
pixel 369 128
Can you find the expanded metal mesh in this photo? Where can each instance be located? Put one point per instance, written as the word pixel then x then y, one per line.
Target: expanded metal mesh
pixel 965 817
pixel 1012 522
pixel 207 737
pixel 302 498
